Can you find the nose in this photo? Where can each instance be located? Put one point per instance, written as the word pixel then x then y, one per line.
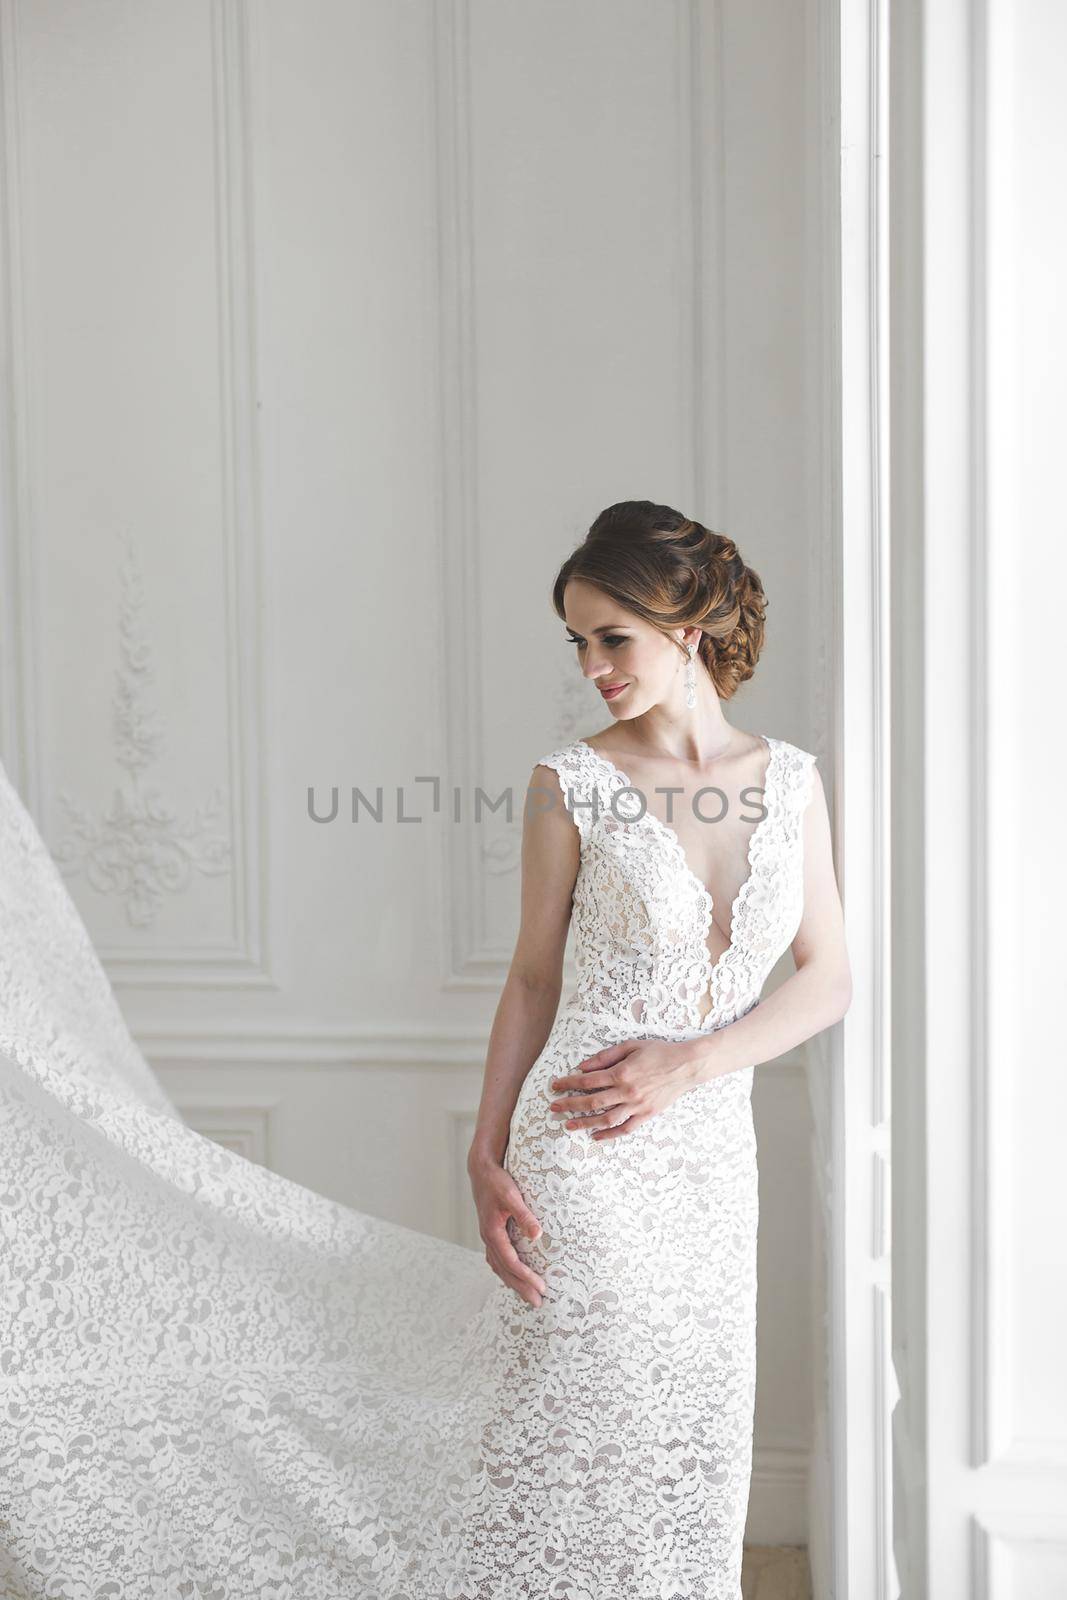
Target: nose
pixel 593 668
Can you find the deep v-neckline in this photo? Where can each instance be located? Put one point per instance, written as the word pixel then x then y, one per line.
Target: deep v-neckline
pixel 669 835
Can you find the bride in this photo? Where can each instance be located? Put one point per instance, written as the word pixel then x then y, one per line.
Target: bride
pixel 218 1384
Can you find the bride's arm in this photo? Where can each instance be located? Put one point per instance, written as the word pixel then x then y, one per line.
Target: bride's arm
pixel 523 1020
pixel 530 997
pixel 816 995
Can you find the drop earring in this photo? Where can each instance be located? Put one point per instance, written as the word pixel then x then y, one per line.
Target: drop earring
pixel 690 678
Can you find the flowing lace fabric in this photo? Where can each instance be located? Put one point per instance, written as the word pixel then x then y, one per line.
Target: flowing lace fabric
pixel 216 1384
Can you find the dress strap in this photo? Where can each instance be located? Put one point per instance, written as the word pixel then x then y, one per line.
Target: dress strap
pixel 796 784
pixel 579 773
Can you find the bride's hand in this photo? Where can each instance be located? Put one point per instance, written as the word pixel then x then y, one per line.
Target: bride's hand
pixel 497 1197
pixel 623 1086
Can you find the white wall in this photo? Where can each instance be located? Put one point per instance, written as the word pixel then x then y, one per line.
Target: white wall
pixel 330 329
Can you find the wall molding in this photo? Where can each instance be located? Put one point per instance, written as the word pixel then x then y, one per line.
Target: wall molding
pixel 244 1123
pixel 997 1539
pixel 472 960
pixel 140 851
pixel 245 963
pixel 294 1044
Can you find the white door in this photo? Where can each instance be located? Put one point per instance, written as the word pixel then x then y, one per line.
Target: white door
pixel 980 536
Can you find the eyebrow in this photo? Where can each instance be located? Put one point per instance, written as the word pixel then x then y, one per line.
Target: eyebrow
pixel 611 627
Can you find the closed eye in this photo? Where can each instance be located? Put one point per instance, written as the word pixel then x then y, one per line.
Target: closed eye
pixel 612 640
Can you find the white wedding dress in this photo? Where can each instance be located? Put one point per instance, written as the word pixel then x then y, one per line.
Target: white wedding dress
pixel 216 1384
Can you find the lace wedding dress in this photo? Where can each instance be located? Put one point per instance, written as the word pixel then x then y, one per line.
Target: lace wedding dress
pixel 216 1384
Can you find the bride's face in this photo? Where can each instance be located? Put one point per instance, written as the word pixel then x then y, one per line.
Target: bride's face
pixel 629 660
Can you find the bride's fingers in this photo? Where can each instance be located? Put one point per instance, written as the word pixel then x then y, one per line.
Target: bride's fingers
pixel 610 1056
pixel 607 1100
pixel 525 1219
pixel 610 1115
pixel 601 1079
pixel 505 1259
pixel 515 1274
pixel 520 1278
pixel 621 1127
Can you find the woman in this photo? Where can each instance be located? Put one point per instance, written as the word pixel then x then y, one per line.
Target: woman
pixel 614 1163
pixel 217 1383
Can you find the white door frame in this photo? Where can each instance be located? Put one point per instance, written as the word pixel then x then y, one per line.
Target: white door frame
pixel 854 101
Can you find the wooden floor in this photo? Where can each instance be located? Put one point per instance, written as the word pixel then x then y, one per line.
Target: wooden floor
pixel 770 1573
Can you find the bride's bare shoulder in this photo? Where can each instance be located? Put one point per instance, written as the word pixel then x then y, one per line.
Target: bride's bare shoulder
pixel 600 741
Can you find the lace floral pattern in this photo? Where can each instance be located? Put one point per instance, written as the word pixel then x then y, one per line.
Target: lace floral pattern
pixel 217 1384
pixel 641 917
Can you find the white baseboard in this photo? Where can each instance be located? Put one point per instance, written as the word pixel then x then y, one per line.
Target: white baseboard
pixel 778 1502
